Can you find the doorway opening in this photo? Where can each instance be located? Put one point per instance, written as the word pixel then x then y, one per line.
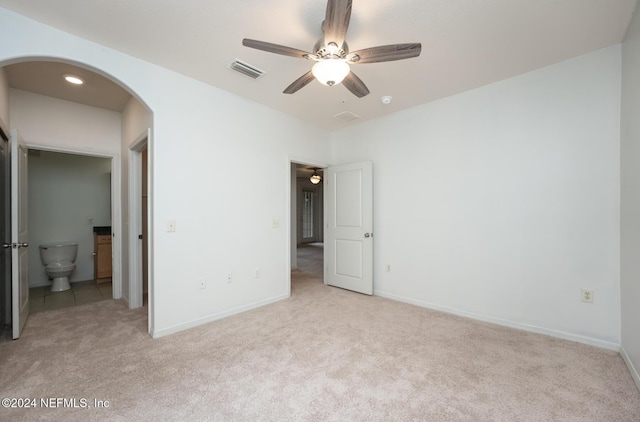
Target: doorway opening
pixel 107 96
pixel 307 225
pixel 70 201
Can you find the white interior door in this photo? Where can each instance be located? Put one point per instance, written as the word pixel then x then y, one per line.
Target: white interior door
pixel 349 227
pixel 19 234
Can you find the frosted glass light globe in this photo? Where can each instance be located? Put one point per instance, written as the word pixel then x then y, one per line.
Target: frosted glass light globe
pixel 330 71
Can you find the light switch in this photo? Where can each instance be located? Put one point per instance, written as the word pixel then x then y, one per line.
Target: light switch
pixel 275 224
pixel 171 225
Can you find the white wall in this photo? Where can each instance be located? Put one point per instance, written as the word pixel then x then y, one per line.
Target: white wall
pixel 51 122
pixel 222 173
pixel 630 227
pixel 214 157
pixel 509 202
pixel 65 192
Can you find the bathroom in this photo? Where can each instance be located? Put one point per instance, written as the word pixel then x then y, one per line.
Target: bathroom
pixel 69 198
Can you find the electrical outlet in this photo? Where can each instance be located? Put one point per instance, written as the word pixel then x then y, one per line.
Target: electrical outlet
pixel 257 273
pixel 587 295
pixel 202 284
pixel 229 278
pixel 388 268
pixel 171 225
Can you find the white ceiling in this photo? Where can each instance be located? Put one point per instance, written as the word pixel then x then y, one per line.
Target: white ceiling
pixel 465 43
pixel 47 78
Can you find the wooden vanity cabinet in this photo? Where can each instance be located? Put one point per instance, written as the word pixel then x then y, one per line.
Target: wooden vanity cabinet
pixel 102 264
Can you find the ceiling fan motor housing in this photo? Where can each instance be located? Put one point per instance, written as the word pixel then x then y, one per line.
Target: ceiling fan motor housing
pixel 330 50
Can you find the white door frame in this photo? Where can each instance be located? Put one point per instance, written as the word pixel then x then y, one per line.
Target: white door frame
pixel 142 142
pixel 116 217
pixel 7 226
pixel 135 219
pixel 291 210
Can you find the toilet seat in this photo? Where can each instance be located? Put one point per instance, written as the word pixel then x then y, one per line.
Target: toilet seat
pixel 61 266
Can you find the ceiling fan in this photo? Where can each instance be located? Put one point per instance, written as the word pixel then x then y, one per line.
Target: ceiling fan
pixel 331 53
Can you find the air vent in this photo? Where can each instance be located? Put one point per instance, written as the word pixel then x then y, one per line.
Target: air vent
pixel 346 116
pixel 246 69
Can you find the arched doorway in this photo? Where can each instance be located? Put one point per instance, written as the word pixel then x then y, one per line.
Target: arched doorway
pixel 39 81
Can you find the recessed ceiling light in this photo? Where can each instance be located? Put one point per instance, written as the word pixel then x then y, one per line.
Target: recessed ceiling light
pixel 72 79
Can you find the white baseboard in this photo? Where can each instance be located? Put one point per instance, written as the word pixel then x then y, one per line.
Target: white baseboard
pixel 210 318
pixel 506 323
pixel 634 371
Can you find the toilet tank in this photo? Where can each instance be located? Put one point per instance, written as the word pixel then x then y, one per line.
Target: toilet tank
pixel 58 252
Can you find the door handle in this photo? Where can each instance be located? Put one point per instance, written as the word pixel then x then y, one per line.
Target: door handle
pixel 368 235
pixel 15 245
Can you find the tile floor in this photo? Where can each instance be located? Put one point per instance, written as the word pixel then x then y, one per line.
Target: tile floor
pixel 82 292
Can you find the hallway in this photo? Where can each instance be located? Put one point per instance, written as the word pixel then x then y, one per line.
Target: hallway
pixel 310 266
pixel 310 258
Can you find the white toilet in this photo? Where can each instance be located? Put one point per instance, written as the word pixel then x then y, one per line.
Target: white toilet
pixel 58 259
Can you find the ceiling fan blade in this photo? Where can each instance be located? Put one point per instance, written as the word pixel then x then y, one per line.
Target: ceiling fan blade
pixel 385 53
pixel 299 83
pixel 355 85
pixel 336 21
pixel 277 49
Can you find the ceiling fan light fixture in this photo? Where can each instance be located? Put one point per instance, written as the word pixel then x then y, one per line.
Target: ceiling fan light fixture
pixel 330 72
pixel 331 53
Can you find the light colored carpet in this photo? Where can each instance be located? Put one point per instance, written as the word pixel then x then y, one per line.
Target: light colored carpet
pixel 325 354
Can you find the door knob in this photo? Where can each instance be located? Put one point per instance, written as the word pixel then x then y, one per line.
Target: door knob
pixel 23 245
pixel 368 235
pixel 6 245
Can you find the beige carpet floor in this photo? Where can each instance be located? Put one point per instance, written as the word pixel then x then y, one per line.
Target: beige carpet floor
pixel 325 354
